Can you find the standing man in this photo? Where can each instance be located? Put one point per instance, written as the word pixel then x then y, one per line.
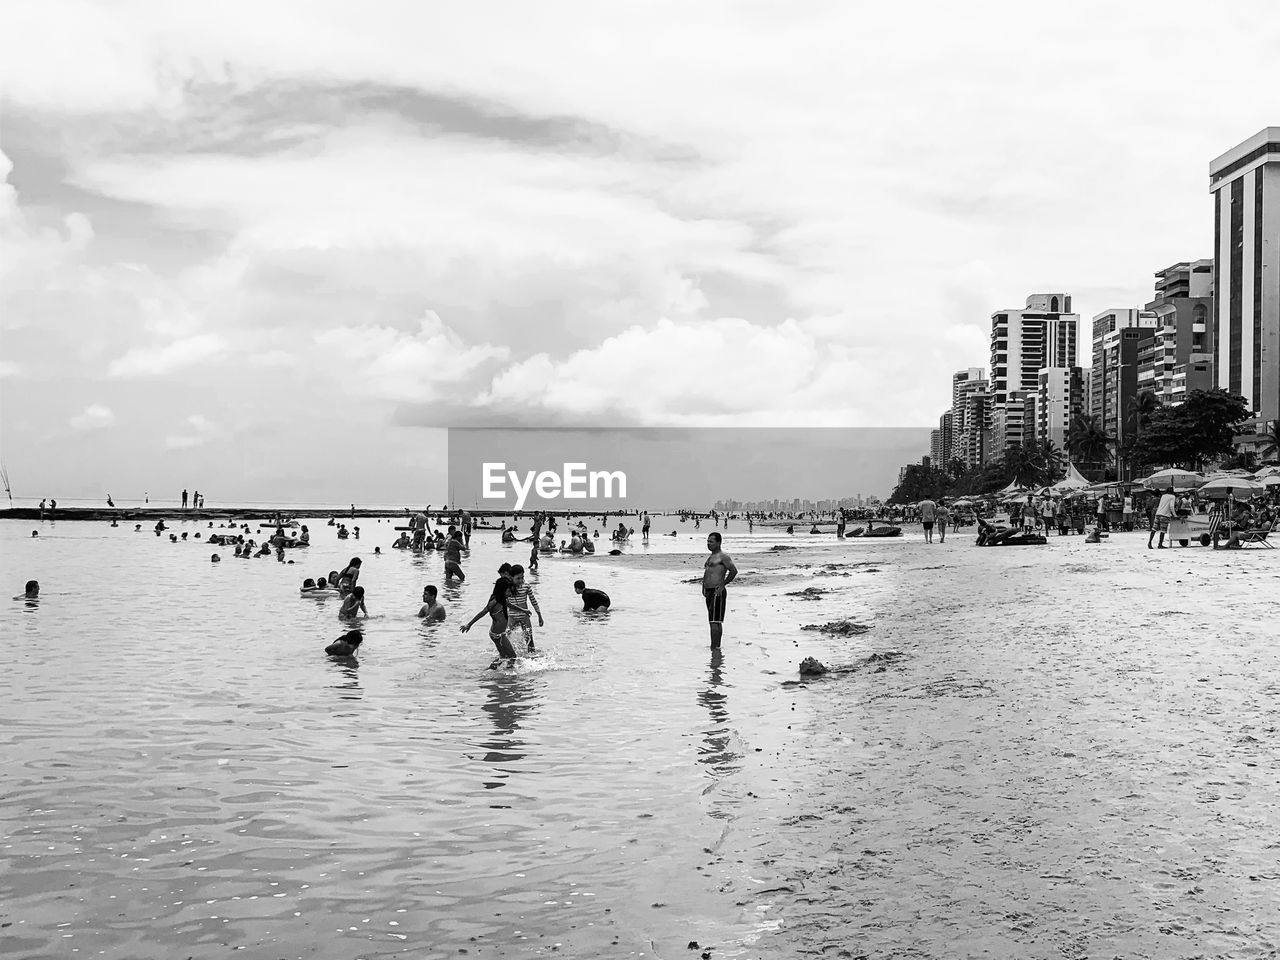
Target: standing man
pixel 1165 512
pixel 644 525
pixel 717 573
pixel 195 500
pixel 466 529
pixel 928 515
pixel 184 499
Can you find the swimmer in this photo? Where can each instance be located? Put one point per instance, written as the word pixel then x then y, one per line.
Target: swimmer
pixel 353 604
pixel 308 586
pixel 377 551
pixel 137 527
pixel 116 523
pixel 346 645
pixel 432 610
pixel 35 533
pixel 499 624
pixel 592 599
pixel 215 559
pixel 30 592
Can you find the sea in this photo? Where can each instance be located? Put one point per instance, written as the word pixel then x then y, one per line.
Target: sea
pixel 1064 750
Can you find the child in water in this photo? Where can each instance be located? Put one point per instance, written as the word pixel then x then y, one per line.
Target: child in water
pixel 499 620
pixel 352 604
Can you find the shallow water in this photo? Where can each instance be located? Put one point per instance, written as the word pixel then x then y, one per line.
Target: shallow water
pixel 1075 755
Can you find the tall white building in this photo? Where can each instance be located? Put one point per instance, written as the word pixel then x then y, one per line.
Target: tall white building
pixel 1245 183
pixel 1024 342
pixel 1059 400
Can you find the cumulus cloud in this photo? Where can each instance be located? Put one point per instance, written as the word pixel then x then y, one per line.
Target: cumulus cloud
pixel 93 417
pixel 167 359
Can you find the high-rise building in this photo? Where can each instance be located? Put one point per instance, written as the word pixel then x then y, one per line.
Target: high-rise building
pixel 946 443
pixel 1119 337
pixel 1104 402
pixel 1024 342
pixel 964 384
pixel 1183 308
pixel 1059 401
pixel 973 437
pixel 1245 182
pixel 935 446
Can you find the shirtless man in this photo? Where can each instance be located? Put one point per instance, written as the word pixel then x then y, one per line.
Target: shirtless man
pixel 432 610
pixel 718 572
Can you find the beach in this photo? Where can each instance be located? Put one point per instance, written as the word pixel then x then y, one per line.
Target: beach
pixel 1066 750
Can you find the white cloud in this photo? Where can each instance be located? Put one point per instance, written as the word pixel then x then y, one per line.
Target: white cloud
pixel 94 417
pixel 159 361
pixel 9 369
pixel 410 367
pixel 200 430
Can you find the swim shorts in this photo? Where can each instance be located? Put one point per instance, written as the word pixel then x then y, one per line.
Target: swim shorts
pixel 928 524
pixel 716 600
pixel 452 568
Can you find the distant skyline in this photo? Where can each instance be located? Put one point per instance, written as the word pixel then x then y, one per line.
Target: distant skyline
pixel 271 250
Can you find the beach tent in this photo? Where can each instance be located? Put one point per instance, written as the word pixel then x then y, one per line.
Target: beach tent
pixel 1072 481
pixel 1012 492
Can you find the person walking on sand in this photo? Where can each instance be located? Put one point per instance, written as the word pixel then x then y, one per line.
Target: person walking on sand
pixel 1165 512
pixel 928 516
pixel 944 514
pixel 717 573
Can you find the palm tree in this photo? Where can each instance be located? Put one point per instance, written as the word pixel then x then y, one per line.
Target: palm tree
pixel 1089 442
pixel 1141 408
pixel 1050 462
pixel 1271 440
pixel 1023 465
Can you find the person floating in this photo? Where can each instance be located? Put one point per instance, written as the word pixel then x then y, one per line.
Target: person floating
pixel 30 592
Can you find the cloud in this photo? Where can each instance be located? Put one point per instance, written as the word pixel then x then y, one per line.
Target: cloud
pixel 160 361
pixel 200 430
pixel 9 369
pixel 94 417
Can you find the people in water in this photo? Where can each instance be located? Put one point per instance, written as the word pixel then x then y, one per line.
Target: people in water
pixel 351 572
pixel 717 573
pixel 521 599
pixel 592 599
pixel 498 611
pixel 30 592
pixel 453 557
pixel 432 610
pixel 353 604
pixel 346 645
pixel 215 559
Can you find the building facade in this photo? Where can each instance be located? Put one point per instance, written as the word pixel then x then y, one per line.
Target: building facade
pixel 1245 184
pixel 1183 308
pixel 1060 399
pixel 965 384
pixel 1105 376
pixel 1024 342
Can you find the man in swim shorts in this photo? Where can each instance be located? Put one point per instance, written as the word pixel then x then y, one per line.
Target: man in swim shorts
pixel 928 515
pixel 718 572
pixel 432 610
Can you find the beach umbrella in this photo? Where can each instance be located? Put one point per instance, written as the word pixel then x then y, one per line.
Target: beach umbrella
pixel 963 502
pixel 1270 480
pixel 1240 487
pixel 1178 479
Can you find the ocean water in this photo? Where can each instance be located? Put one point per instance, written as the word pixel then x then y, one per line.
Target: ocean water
pixel 1065 750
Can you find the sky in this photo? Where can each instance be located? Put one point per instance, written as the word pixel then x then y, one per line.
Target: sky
pixel 274 249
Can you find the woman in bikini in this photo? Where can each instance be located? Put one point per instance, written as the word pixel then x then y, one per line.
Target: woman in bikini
pixel 497 609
